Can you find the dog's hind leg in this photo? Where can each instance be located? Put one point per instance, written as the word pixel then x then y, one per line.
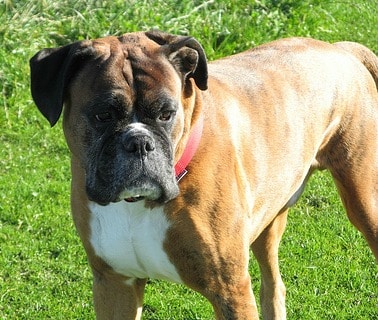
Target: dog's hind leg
pixel 360 198
pixel 359 193
pixel 352 158
pixel 265 249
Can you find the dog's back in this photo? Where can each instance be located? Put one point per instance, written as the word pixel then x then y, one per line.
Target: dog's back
pixel 365 55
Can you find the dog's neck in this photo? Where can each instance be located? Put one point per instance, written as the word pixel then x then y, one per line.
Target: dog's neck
pixel 190 149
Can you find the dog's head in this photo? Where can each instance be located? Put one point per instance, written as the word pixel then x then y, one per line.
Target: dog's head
pixel 125 108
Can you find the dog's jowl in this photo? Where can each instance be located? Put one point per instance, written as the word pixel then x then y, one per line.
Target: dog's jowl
pixel 180 166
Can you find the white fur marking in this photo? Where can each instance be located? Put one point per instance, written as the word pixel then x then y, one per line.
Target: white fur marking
pixel 139 313
pixel 130 238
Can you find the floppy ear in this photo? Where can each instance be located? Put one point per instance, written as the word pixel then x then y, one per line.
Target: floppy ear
pixel 50 72
pixel 186 55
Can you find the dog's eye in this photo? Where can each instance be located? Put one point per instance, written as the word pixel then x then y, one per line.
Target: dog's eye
pixel 166 116
pixel 104 117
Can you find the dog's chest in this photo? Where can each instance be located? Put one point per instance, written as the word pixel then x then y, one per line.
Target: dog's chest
pixel 130 239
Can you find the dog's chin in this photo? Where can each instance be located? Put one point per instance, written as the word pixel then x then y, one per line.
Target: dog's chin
pixel 153 193
pixel 149 191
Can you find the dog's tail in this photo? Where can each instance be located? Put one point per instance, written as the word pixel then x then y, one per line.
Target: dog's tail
pixel 365 55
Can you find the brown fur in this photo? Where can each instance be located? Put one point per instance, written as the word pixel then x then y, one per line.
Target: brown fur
pixel 273 115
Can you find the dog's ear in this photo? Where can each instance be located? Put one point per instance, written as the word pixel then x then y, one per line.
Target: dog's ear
pixel 186 54
pixel 50 73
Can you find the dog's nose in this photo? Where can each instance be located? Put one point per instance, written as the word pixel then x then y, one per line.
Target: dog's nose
pixel 139 143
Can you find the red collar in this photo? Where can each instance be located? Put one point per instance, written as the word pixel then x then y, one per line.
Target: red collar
pixel 190 149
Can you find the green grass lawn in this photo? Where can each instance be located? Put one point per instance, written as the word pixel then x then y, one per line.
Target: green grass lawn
pixel 326 265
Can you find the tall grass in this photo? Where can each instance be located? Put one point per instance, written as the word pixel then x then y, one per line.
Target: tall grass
pixel 327 267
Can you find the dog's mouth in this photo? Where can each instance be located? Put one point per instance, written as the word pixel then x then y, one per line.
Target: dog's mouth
pixel 143 188
pixel 134 199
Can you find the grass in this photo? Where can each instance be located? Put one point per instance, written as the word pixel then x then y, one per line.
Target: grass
pixel 328 270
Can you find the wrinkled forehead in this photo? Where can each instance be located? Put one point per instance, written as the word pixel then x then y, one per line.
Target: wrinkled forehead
pixel 132 64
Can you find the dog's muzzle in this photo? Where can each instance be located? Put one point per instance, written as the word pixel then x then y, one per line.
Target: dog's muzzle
pixel 132 165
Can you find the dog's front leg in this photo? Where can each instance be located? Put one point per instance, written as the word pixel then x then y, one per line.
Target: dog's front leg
pixel 212 258
pixel 116 297
pixel 235 302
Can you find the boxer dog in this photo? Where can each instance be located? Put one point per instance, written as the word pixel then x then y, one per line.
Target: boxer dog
pixel 179 166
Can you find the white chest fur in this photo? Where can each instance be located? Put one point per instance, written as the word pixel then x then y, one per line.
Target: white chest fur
pixel 130 238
